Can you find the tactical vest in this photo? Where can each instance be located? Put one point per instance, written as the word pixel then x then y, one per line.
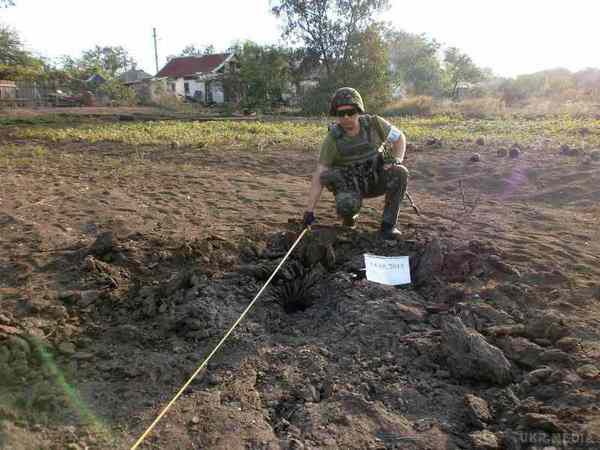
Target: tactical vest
pixel 362 158
pixel 363 147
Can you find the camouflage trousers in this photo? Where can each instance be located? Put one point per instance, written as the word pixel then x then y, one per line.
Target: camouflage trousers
pixel 350 188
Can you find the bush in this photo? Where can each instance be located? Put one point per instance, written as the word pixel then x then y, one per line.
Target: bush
pixel 414 106
pixel 117 93
pixel 478 108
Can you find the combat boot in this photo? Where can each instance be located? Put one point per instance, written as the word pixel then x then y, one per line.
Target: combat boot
pixel 390 232
pixel 350 221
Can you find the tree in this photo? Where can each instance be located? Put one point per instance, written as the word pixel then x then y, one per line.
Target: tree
pixel 327 26
pixel 192 50
pixel 264 74
pixel 11 47
pixel 459 68
pixel 15 62
pixel 6 3
pixel 366 66
pixel 107 61
pixel 414 62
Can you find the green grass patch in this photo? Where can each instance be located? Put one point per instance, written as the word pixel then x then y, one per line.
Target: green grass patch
pixel 256 136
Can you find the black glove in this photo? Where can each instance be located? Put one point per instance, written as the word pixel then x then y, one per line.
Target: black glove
pixel 309 218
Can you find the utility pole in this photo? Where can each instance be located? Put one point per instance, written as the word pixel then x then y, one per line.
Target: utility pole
pixel 155 49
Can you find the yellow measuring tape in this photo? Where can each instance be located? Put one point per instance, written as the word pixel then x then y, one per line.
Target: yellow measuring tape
pixel 187 383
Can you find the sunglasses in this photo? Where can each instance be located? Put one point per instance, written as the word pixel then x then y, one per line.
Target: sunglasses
pixel 346 112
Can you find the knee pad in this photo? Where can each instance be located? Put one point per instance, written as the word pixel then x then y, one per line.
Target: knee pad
pixel 397 176
pixel 348 204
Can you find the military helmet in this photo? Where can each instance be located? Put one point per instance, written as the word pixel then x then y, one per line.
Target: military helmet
pixel 346 96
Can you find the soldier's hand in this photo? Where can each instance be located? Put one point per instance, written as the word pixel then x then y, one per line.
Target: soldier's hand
pixel 309 218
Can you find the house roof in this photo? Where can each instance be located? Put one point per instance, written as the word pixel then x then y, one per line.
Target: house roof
pixel 182 66
pixel 133 75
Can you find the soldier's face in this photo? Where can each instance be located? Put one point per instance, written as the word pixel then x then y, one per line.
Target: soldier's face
pixel 347 117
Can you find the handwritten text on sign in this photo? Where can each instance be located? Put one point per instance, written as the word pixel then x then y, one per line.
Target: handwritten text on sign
pixel 391 270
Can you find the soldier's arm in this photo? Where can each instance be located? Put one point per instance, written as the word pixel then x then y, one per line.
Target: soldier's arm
pixel 315 188
pixel 398 140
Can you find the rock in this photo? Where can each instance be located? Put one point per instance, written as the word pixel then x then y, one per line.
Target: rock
pixel 430 263
pixel 551 325
pixel 506 330
pixel 545 422
pixel 475 157
pixel 515 151
pixel 569 344
pixel 522 350
pixel 566 150
pixel 82 356
pixel 478 411
pixel 555 356
pixel 66 348
pixel 595 155
pixel 434 142
pixel 538 376
pixel 502 153
pixel 484 440
pixel 480 141
pixel 89 297
pixel 588 371
pixel 410 313
pixel 485 312
pixel 471 356
pixel 104 244
pixel 497 263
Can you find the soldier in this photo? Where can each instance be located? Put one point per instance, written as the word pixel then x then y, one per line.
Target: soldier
pixel 352 165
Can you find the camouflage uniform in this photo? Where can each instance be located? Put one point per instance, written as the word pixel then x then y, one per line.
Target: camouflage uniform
pixel 358 173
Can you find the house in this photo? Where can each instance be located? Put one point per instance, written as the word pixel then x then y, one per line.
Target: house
pixel 199 77
pixel 133 76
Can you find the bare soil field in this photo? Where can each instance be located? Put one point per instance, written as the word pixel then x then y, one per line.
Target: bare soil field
pixel 127 249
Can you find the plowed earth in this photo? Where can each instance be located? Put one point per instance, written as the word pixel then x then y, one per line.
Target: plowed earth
pixel 119 274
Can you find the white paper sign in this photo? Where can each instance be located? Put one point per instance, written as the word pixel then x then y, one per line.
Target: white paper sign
pixel 391 270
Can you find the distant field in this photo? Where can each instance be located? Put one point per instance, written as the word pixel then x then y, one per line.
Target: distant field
pixel 308 134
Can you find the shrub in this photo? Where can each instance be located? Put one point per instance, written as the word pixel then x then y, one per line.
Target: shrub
pixel 117 93
pixel 414 106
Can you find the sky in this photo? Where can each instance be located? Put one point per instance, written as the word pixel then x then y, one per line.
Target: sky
pixel 511 37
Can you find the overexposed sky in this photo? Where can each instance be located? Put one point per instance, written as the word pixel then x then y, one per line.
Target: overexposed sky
pixel 510 36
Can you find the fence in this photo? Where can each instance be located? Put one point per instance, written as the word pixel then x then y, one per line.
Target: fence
pixel 34 94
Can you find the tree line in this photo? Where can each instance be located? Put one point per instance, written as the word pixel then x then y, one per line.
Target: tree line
pixel 331 43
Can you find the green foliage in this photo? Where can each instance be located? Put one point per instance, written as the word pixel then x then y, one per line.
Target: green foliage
pixel 106 61
pixel 364 68
pixel 235 135
pixel 263 77
pixel 459 68
pixel 15 62
pixel 118 93
pixel 327 26
pixel 416 68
